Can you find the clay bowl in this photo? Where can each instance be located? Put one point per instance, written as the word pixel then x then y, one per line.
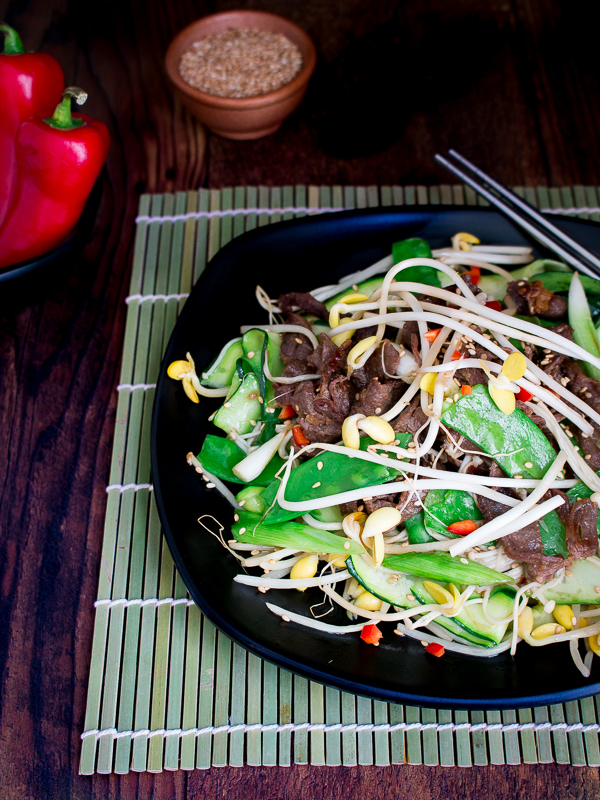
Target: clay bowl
pixel 244 117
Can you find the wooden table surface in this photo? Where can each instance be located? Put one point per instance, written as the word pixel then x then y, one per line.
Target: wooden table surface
pixel 512 84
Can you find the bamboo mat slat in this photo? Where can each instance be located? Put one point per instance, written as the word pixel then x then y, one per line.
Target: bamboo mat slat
pixel 168 691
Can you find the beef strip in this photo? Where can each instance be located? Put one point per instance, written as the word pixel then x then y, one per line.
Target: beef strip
pixel 411 419
pixel 535 300
pixel 582 529
pixel 382 363
pixel 303 300
pixel 319 358
pixel 408 503
pixel 295 345
pixel 471 376
pixel 411 340
pixel 375 399
pixel 524 545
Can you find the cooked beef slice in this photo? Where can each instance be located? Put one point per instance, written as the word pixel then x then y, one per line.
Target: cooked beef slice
pixel 303 300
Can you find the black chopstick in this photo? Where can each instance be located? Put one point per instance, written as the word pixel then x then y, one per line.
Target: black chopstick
pixel 525 215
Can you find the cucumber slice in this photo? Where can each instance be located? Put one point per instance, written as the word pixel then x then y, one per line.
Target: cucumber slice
pixel 366 287
pixel 470 624
pixel 330 514
pixel 579 587
pixel 242 408
pixel 220 373
pixel 253 342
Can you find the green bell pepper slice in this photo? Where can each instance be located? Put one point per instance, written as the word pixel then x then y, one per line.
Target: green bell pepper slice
pixel 513 440
pixel 415 248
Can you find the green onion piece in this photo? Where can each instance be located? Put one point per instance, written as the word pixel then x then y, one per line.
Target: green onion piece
pixel 497 284
pixel 251 530
pixel 561 282
pixel 584 331
pixel 442 566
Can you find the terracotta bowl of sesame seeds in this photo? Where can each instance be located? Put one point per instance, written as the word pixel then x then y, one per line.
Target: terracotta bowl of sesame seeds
pixel 266 59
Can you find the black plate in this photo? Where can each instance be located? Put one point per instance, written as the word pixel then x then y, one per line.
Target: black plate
pixel 301 255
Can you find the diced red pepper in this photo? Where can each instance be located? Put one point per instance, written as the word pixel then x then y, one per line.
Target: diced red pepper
pixel 299 436
pixel 371 634
pixel 524 395
pixel 463 527
pixel 431 336
pixel 466 389
pixel 475 275
pixel 494 305
pixel 435 649
pixel 456 356
pixel 287 412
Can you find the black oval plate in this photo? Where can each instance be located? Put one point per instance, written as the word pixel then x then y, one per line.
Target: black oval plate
pixel 301 255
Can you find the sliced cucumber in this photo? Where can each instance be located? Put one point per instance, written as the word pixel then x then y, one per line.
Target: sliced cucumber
pixel 243 408
pixel 222 370
pixel 366 287
pixel 579 587
pixel 409 591
pixel 253 342
pixel 330 514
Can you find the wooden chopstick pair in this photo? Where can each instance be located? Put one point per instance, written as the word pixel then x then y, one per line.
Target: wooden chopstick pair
pixel 524 215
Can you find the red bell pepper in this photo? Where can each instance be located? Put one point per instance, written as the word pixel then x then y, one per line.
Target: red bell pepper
pixel 524 395
pixel 494 305
pixel 59 160
pixel 431 336
pixel 466 389
pixel 371 634
pixel 463 527
pixel 299 436
pixel 435 649
pixel 287 412
pixel 30 86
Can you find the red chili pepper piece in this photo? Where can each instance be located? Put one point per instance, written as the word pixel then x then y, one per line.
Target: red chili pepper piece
pixel 456 356
pixel 287 412
pixel 524 395
pixel 494 305
pixel 371 634
pixel 299 436
pixel 463 527
pixel 466 389
pixel 431 336
pixel 435 649
pixel 30 86
pixel 475 275
pixel 59 160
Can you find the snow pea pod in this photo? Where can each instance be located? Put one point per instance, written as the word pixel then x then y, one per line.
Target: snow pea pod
pixel 219 456
pixel 415 248
pixel 513 440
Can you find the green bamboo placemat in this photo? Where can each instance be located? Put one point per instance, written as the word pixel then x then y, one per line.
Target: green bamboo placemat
pixel 166 689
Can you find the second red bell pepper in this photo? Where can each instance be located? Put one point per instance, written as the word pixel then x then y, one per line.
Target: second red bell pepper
pixel 30 86
pixel 59 159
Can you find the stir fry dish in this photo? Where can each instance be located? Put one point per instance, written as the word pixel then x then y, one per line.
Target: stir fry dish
pixel 420 446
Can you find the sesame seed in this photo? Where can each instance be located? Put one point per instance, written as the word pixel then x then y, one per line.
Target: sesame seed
pixel 198 469
pixel 423 642
pixel 205 478
pixel 252 422
pixel 573 621
pixel 404 544
pixel 242 502
pixel 236 517
pixel 242 530
pixel 271 561
pixel 316 485
pixel 285 618
pixel 298 340
pixel 568 432
pixel 544 362
pixel 233 435
pixel 568 573
pixel 456 396
pixel 484 356
pixel 464 561
pixel 262 589
pixel 518 477
pixel 410 598
pixel 378 411
pixel 588 395
pixel 559 629
pixel 588 457
pixel 393 579
pixel 546 351
pixel 521 283
pixel 210 485
pixel 528 464
pixel 227 404
pixel 398 633
pixel 251 354
pixel 320 465
pixel 597 589
pixel 361 508
pixel 254 552
pixel 449 400
pixel 355 287
pixel 346 545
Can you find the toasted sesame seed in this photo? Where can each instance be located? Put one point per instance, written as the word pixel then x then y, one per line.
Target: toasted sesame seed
pixel 254 552
pixel 251 354
pixel 568 432
pixel 262 589
pixel 568 573
pixel 521 283
pixel 252 422
pixel 528 464
pixel 546 351
pixel 242 502
pixel 410 598
pixel 518 477
pixel 236 517
pixel 233 435
pixel 198 469
pixel 423 642
pixel 588 395
pixel 355 287
pixel 298 340
pixel 393 579
pixel 285 618
pixel 346 545
pixel 316 485
pixel 588 457
pixel 484 356
pixel 544 362
pixel 464 561
pixel 456 397
pixel 378 411
pixel 597 589
pixel 404 544
pixel 319 465
pixel 205 477
pixel 227 404
pixel 398 633
pixel 210 485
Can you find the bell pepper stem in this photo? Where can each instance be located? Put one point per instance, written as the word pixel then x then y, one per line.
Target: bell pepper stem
pixel 62 117
pixel 13 46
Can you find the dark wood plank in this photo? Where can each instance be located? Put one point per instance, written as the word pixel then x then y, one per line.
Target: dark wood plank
pixel 509 84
